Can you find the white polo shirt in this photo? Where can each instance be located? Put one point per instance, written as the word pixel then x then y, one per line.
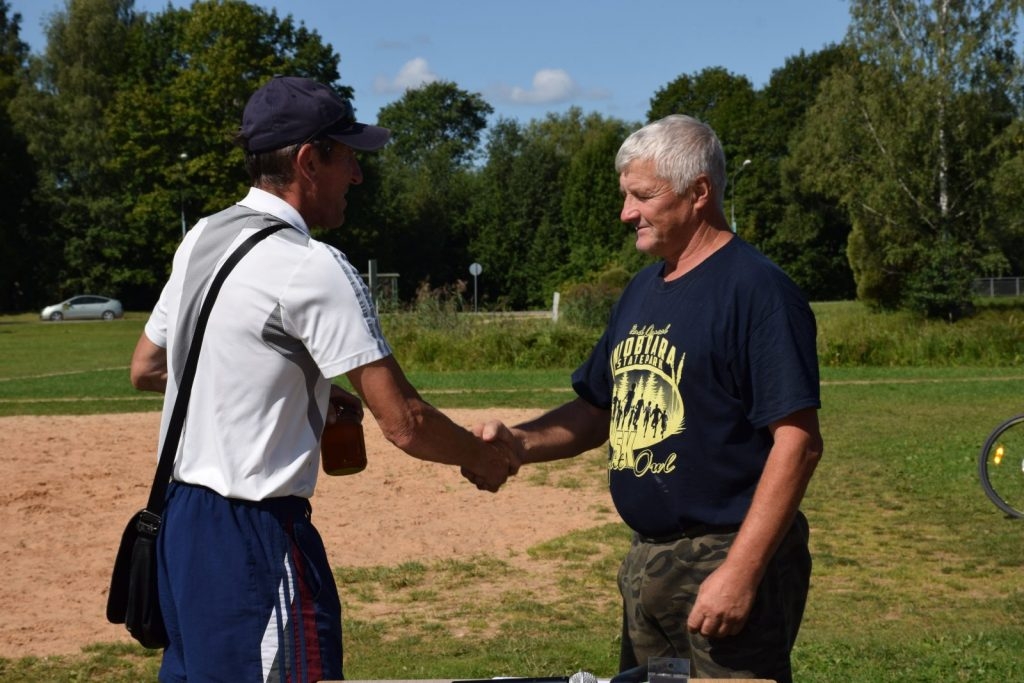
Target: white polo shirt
pixel 291 315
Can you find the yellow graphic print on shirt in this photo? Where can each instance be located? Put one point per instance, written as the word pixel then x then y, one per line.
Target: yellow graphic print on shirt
pixel 647 407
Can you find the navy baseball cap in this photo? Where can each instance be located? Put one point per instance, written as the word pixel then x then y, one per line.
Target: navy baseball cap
pixel 288 110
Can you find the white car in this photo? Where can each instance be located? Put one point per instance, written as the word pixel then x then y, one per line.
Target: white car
pixel 84 307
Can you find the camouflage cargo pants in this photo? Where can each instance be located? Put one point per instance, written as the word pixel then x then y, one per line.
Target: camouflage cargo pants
pixel 659 583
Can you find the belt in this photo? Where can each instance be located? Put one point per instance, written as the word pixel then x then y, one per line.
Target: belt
pixel 691 531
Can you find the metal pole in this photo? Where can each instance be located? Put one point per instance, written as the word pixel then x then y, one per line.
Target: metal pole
pixel 181 191
pixel 371 270
pixel 732 193
pixel 475 269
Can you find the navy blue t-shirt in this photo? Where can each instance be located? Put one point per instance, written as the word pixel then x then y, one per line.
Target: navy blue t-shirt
pixel 693 372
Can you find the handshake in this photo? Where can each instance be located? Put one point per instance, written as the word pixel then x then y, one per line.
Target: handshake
pixel 500 455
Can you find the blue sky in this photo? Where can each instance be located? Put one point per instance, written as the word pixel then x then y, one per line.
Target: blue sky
pixel 531 57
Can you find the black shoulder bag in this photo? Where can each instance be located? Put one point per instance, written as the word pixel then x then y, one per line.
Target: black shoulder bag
pixel 133 599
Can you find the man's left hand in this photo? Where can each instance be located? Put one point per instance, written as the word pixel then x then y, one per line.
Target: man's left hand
pixel 723 605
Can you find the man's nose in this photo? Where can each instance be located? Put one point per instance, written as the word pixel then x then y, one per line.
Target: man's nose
pixel 630 213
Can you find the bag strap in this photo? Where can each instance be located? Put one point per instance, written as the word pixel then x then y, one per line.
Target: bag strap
pixel 170 448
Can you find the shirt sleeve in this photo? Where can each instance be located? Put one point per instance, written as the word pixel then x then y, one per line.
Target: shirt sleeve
pixel 592 380
pixel 328 306
pixel 156 326
pixel 780 363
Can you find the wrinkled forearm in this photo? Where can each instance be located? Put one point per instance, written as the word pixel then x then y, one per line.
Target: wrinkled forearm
pixel 787 473
pixel 566 431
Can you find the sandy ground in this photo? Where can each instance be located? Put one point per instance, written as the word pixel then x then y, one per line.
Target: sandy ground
pixel 70 483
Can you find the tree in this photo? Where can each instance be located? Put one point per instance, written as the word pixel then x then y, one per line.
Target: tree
pixel 145 133
pixel 802 230
pixel 898 140
pixel 1003 238
pixel 63 119
pixel 722 100
pixel 21 230
pixel 194 70
pixel 592 201
pixel 546 204
pixel 516 199
pixel 425 183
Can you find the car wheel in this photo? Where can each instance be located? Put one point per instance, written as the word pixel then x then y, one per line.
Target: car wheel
pixel 56 315
pixel 108 315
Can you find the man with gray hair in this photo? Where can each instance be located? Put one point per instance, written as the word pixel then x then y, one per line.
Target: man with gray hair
pixel 705 385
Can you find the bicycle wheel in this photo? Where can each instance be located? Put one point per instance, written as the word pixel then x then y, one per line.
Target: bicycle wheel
pixel 1001 466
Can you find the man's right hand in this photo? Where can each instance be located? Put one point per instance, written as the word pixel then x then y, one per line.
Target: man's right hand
pixel 500 456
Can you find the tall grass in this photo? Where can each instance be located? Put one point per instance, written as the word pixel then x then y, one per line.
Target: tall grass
pixel 850 335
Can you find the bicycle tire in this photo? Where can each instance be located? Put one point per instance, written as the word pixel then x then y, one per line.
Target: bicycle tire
pixel 1001 466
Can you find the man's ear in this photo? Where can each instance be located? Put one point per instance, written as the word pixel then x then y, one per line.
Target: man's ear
pixel 306 161
pixel 701 189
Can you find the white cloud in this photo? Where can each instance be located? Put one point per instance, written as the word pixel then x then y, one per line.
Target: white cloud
pixel 413 74
pixel 550 86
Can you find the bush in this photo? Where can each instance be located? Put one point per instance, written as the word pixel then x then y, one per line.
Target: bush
pixel 436 333
pixel 941 286
pixel 589 304
pixel 489 342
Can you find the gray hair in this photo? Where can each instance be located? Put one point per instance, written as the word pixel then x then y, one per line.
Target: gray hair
pixel 682 149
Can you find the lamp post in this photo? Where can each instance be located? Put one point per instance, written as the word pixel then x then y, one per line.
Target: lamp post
pixel 732 192
pixel 181 190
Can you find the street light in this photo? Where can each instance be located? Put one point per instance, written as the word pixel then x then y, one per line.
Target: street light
pixel 181 190
pixel 732 192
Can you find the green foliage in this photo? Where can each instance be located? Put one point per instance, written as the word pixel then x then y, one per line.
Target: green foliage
pixel 425 184
pixel 436 120
pixel 20 277
pixel 591 201
pixel 867 157
pixel 1002 239
pixel 125 97
pixel 896 139
pixel 516 215
pixel 547 205
pixel 802 230
pixel 463 359
pixel 723 100
pixel 87 53
pixel 941 286
pixel 588 301
pixel 494 342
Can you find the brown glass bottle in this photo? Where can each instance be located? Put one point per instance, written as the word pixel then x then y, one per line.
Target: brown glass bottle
pixel 342 447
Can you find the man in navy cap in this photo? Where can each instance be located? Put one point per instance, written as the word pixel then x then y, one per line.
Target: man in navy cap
pixel 245 587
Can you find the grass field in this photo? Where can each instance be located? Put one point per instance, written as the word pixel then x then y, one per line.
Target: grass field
pixel 917 576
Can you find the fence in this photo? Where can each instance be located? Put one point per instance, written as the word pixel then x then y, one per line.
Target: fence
pixel 999 286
